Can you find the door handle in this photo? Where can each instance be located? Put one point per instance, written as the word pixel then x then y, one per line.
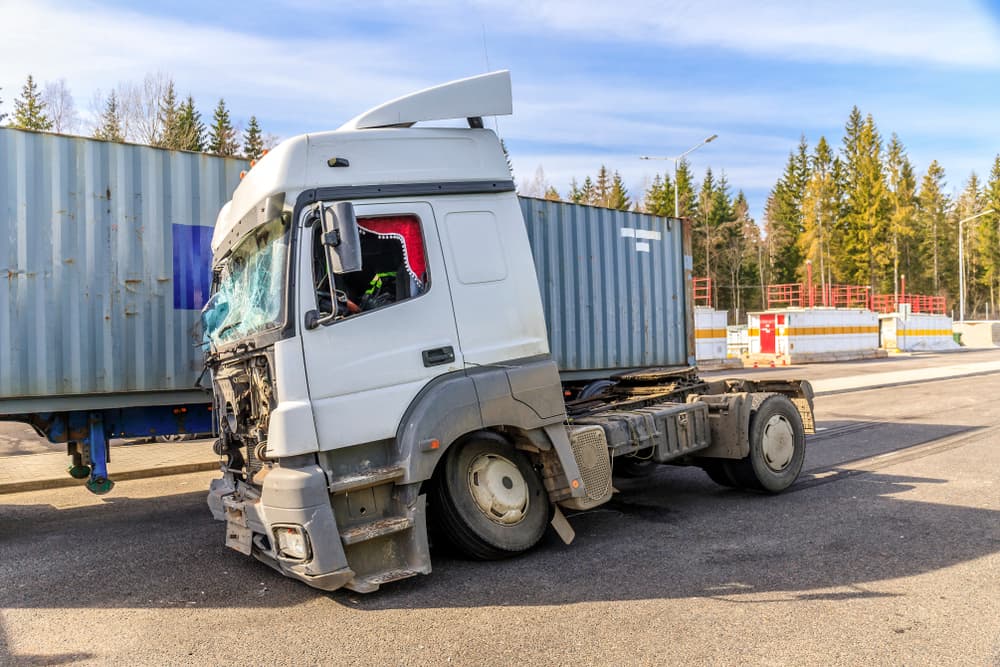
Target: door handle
pixel 438 356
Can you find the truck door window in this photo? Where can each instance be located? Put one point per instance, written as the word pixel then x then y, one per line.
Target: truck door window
pixel 394 268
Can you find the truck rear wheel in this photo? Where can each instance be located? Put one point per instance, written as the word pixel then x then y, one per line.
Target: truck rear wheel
pixel 777 446
pixel 488 498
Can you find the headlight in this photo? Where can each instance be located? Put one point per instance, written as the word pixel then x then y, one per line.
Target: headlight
pixel 292 542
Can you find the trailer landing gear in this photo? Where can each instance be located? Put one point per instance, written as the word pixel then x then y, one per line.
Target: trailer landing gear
pixel 90 456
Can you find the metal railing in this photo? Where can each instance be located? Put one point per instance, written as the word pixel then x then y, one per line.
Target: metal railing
pixel 800 295
pixel 919 303
pixel 702 288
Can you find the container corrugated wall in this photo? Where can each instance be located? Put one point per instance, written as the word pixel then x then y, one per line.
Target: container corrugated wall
pixel 105 255
pixel 613 285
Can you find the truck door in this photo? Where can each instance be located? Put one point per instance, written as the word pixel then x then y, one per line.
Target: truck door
pixel 395 329
pixel 767 333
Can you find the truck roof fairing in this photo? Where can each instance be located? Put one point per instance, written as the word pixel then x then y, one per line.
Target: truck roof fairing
pixel 381 146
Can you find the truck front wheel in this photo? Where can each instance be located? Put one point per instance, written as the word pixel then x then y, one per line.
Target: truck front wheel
pixel 488 499
pixel 777 446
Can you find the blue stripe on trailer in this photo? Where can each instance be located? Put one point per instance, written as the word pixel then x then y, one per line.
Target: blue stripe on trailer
pixel 192 265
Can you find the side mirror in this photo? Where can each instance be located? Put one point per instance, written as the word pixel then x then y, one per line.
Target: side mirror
pixel 341 238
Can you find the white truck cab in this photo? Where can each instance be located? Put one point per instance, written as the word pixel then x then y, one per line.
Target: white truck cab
pixel 377 339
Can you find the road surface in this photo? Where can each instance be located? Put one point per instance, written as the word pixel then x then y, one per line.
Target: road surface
pixel 885 552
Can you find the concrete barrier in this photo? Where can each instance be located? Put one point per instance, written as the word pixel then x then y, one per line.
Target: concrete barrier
pixel 917 331
pixel 709 334
pixel 984 333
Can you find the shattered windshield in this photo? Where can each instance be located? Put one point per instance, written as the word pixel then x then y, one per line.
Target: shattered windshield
pixel 250 285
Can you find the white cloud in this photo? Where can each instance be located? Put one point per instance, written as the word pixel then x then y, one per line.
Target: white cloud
pixel 95 47
pixel 959 32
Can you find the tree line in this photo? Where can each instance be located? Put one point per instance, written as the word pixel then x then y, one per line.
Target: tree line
pixel 863 215
pixel 147 112
pixel 860 214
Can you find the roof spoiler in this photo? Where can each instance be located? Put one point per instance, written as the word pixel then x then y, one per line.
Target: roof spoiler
pixel 474 97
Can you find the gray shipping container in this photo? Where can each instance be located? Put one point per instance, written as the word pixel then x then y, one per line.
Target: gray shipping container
pixel 106 255
pixel 614 284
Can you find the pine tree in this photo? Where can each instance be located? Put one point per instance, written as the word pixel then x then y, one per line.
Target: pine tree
pixel 990 238
pixel 253 145
pixel 552 194
pixel 222 136
pixel 29 109
pixel 169 119
pixel 866 253
pixel 618 196
pixel 171 135
pixel 684 189
pixel 932 211
pixel 784 219
pixel 2 115
pixel 659 198
pixel 602 188
pixel 902 193
pixel 820 204
pixel 588 193
pixel 575 193
pixel 109 127
pixel 190 129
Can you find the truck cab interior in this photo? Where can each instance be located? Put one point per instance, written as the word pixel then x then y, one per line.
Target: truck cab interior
pixel 394 268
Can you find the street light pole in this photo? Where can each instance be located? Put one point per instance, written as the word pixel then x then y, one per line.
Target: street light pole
pixel 961 262
pixel 677 194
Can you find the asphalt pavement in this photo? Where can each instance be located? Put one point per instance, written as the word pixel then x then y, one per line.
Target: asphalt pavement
pixel 884 552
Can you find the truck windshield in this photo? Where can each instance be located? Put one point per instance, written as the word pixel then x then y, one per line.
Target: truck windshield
pixel 249 286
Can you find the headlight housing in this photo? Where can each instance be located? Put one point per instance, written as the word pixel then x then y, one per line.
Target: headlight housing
pixel 292 542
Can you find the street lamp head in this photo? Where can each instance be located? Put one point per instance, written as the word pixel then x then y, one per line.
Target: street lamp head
pixel 711 138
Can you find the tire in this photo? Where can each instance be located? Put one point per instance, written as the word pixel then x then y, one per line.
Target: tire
pixel 777 446
pixel 718 472
pixel 595 389
pixel 489 500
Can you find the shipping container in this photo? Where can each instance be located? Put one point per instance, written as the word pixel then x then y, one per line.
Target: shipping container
pixel 107 261
pixel 614 286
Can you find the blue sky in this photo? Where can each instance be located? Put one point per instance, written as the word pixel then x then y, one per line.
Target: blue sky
pixel 593 82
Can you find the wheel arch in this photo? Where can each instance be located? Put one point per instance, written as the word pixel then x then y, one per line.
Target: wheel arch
pixel 522 401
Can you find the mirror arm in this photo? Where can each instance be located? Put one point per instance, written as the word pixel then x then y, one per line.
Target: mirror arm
pixel 313 319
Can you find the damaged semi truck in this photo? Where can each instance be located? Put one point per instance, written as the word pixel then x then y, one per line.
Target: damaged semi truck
pixel 379 352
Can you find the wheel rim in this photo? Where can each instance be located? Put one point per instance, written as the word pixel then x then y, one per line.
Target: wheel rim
pixel 778 443
pixel 499 489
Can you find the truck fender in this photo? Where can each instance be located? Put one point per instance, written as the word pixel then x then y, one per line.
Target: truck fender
pixel 524 395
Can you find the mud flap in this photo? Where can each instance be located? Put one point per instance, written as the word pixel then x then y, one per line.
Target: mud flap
pixel 561 526
pixel 238 533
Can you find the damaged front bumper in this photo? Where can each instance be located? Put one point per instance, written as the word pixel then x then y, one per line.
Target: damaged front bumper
pixel 288 497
